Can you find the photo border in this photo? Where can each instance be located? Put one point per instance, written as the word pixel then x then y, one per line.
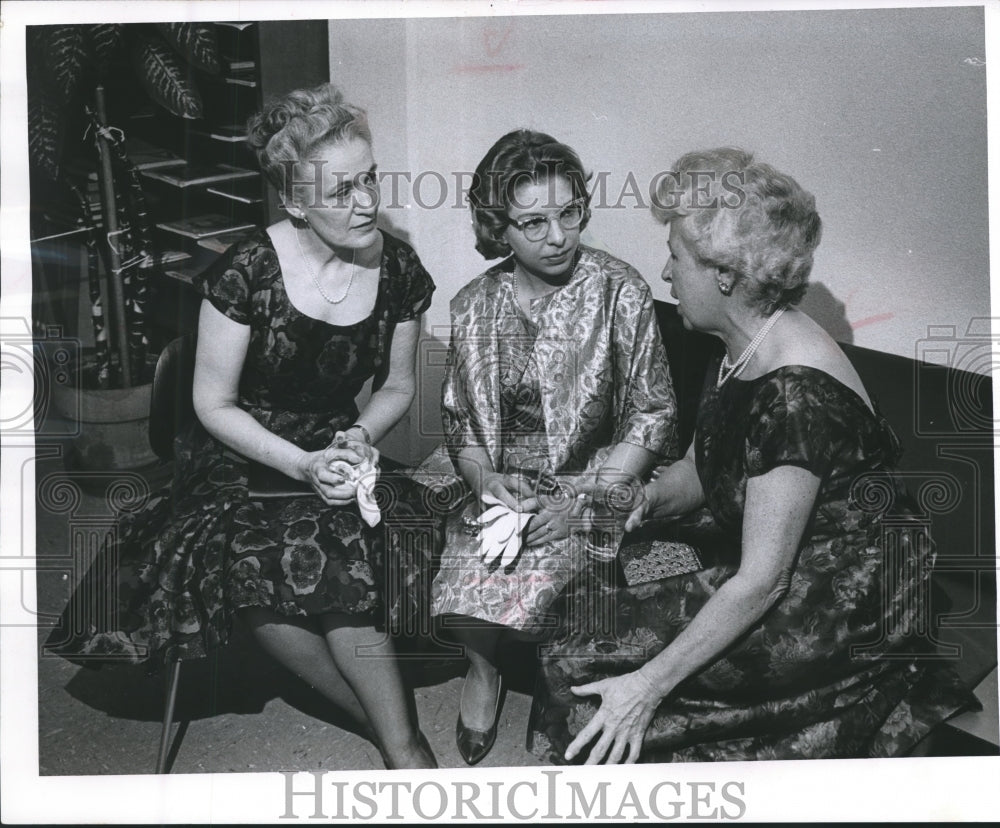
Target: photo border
pixel 821 790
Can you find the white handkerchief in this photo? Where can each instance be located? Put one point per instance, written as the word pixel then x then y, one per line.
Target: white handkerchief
pixel 363 476
pixel 501 535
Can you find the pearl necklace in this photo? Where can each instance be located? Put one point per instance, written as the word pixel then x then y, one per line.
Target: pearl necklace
pixel 315 280
pixel 727 370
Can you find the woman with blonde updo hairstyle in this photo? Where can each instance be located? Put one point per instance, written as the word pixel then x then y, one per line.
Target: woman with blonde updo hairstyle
pixel 295 320
pixel 284 133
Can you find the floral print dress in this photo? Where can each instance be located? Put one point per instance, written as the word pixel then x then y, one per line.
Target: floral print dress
pixel 834 668
pixel 191 556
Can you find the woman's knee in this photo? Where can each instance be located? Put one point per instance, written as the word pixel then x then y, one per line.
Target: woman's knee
pixel 263 621
pixel 343 627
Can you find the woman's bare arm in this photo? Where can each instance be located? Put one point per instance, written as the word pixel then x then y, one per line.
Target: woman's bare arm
pixel 221 352
pixel 778 507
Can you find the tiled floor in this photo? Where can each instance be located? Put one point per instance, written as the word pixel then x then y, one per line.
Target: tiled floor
pixel 981 725
pixel 245 713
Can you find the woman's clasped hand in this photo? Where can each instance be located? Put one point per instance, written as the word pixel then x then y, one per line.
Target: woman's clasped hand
pixel 343 473
pixel 516 510
pixel 334 471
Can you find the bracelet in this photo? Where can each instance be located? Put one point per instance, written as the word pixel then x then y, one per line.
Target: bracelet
pixel 364 432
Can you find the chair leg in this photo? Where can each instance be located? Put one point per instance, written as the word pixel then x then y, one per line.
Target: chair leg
pixel 173 680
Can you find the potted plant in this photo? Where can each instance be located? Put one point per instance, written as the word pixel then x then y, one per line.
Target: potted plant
pixel 71 69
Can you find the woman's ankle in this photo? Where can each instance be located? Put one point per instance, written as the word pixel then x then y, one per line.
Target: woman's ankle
pixel 414 753
pixel 483 670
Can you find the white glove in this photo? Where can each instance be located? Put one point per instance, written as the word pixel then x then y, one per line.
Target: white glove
pixel 501 533
pixel 364 475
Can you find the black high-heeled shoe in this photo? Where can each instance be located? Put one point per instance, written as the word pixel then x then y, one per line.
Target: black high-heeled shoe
pixel 473 745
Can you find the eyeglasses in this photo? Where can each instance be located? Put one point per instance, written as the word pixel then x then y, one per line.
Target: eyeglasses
pixel 536 228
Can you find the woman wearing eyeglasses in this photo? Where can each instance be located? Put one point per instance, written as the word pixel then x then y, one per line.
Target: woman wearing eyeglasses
pixel 557 384
pixel 294 321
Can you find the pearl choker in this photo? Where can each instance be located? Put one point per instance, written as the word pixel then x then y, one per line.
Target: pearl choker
pixel 728 370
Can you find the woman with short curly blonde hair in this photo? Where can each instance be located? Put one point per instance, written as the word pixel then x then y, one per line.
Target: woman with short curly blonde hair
pixel 745 218
pixel 798 635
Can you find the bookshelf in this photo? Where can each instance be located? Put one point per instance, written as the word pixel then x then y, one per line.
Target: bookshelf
pixel 219 189
pixel 202 184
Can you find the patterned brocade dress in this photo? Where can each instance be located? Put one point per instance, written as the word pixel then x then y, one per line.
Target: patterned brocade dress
pixel 512 598
pixel 191 556
pixel 546 397
pixel 834 668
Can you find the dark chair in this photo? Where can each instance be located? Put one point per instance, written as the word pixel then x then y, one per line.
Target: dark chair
pixel 170 409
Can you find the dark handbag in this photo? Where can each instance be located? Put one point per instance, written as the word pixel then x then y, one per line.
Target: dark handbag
pixel 666 548
pixel 652 560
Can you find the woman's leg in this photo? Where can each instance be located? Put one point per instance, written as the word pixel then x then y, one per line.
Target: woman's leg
pixel 299 645
pixel 367 659
pixel 482 682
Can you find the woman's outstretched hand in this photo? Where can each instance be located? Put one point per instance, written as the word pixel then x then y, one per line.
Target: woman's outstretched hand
pixel 627 706
pixel 657 499
pixel 643 508
pixel 333 488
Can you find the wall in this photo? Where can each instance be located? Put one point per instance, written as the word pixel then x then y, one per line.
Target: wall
pixel 880 113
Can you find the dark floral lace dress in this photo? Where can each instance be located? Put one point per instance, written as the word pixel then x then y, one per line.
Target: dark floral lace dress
pixel 191 556
pixel 834 669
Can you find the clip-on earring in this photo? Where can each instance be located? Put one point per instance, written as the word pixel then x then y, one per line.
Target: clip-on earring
pixel 294 211
pixel 725 288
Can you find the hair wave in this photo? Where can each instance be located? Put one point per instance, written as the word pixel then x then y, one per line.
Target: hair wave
pixel 744 217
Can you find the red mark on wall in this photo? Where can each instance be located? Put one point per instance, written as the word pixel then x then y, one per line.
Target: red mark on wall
pixel 871 320
pixel 495 40
pixel 489 67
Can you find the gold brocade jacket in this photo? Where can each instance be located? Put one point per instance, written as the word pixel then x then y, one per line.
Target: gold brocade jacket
pixel 601 362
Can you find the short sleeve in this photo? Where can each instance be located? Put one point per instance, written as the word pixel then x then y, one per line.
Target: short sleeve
pixel 227 282
pixel 792 424
pixel 412 286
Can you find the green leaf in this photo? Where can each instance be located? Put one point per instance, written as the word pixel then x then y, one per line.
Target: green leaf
pixel 45 131
pixel 195 42
pixel 164 77
pixel 62 55
pixel 105 41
